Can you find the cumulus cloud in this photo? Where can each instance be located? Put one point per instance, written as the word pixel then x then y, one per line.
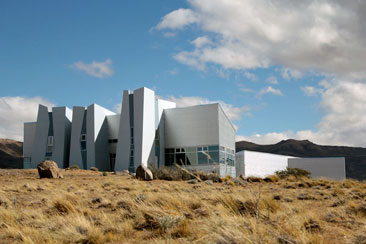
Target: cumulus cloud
pixel 311 91
pixel 95 69
pixel 272 80
pixel 327 36
pixel 201 41
pixel 14 111
pixel 269 90
pixel 343 124
pixel 177 19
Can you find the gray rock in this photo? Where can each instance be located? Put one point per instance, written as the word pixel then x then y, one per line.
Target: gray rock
pixel 49 169
pixel 193 181
pixel 209 182
pixel 143 173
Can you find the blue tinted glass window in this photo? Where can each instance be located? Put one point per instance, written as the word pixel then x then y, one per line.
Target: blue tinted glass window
pixel 202 158
pixel 83 145
pixel 213 148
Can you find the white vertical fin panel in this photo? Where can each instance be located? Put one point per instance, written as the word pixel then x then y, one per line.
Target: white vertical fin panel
pixel 123 146
pixel 41 135
pixel 76 127
pixel 144 124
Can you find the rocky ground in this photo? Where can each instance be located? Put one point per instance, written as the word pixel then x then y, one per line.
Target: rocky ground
pixel 91 207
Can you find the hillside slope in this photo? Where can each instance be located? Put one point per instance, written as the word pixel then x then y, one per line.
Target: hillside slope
pixel 355 156
pixel 11 154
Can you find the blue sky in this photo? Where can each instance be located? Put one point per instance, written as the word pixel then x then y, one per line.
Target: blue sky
pixel 265 81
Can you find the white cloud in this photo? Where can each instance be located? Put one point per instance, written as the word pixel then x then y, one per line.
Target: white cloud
pixel 169 34
pixel 201 41
pixel 311 91
pixel 288 74
pixel 272 80
pixel 344 122
pixel 269 90
pixel 250 76
pixel 14 111
pixel 95 69
pixel 177 19
pixel 327 36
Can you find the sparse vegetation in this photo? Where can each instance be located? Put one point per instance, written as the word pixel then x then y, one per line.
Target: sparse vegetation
pixel 86 208
pixel 293 172
pixel 74 167
pixel 94 169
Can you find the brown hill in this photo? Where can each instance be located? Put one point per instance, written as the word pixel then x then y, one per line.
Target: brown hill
pixel 11 154
pixel 355 156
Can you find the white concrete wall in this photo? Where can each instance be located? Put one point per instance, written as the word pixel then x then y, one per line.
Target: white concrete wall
pixel 29 133
pixel 226 130
pixel 332 168
pixel 191 126
pixel 41 135
pixel 61 135
pixel 113 127
pixel 260 164
pixel 239 163
pixel 160 106
pixel 76 127
pixel 144 125
pixel 123 146
pixel 97 137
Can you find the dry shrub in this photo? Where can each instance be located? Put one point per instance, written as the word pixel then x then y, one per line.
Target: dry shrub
pixel 254 179
pixel 272 178
pixel 63 207
pixel 298 173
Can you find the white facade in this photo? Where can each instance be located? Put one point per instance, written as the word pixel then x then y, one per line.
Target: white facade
pixel 259 164
pixel 332 168
pixel 48 138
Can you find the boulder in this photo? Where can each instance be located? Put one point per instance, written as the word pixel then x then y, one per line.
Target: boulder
pixel 49 169
pixel 143 173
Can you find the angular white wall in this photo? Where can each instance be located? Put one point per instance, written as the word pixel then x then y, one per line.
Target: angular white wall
pixel 332 168
pixel 61 118
pixel 41 135
pixel 29 134
pixel 76 157
pixel 258 164
pixel 192 126
pixel 123 146
pixel 144 124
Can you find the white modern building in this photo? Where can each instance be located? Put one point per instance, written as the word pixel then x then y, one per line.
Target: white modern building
pixel 259 164
pixel 148 131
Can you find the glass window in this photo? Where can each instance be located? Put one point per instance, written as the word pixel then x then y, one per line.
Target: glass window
pixel 202 158
pixel 199 149
pixel 222 158
pixel 222 148
pixel 83 145
pixel 131 129
pixel 177 150
pixel 50 141
pixel 180 158
pixel 169 159
pixel 205 149
pixel 83 137
pixel 169 150
pixel 191 158
pixel 190 149
pixel 213 157
pixel 213 148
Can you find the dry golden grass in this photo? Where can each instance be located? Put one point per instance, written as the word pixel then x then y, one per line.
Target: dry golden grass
pixel 86 207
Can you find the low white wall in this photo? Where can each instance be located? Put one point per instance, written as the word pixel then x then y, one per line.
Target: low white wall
pixel 332 168
pixel 260 164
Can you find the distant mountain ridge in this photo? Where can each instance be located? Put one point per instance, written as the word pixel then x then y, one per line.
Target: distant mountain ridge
pixel 11 154
pixel 355 156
